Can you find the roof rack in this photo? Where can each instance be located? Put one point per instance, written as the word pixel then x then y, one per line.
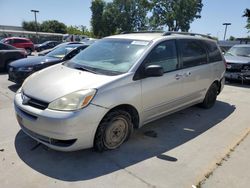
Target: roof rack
pixel 151 31
pixel 186 33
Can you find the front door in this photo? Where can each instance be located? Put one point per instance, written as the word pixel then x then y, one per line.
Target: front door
pixel 162 94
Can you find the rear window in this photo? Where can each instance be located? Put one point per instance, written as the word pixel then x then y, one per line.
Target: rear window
pixel 214 52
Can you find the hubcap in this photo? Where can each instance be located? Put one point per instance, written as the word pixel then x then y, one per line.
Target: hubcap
pixel 116 133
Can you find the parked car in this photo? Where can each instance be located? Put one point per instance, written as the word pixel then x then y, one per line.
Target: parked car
pixel 46 45
pixel 19 42
pixel 8 54
pixel 19 70
pixel 44 52
pixel 238 63
pixel 116 85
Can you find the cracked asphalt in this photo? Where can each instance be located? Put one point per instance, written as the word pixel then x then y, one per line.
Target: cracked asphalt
pixel 176 151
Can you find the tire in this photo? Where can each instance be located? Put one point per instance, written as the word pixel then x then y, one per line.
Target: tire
pixel 210 97
pixel 115 128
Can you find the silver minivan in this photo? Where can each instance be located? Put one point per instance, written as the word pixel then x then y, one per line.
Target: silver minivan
pixel 117 85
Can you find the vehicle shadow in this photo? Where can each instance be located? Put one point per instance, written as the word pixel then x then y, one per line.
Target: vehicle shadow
pixel 14 87
pixel 169 132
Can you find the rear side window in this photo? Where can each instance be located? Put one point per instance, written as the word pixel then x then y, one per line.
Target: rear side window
pixel 164 55
pixel 214 52
pixel 19 41
pixel 193 53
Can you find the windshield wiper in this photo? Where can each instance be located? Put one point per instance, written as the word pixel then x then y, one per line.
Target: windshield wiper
pixel 84 69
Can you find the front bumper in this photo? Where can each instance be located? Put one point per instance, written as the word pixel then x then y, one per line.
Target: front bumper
pixel 18 76
pixel 63 131
pixel 242 76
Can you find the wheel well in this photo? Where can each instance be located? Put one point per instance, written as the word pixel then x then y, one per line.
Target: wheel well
pixel 218 83
pixel 131 110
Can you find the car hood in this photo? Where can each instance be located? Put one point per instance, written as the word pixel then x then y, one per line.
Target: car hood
pixel 31 61
pixel 58 80
pixel 237 59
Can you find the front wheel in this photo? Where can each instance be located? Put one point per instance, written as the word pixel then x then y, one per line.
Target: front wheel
pixel 210 97
pixel 113 130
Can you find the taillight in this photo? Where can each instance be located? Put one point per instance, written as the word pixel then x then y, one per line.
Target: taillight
pixel 24 53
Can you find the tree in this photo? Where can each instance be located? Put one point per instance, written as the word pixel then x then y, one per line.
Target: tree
pixel 30 26
pixel 109 20
pixel 232 38
pixel 53 26
pixel 97 8
pixel 76 30
pixel 247 14
pixel 131 14
pixel 176 14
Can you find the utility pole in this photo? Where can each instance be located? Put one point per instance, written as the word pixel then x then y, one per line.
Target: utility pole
pixel 226 24
pixel 36 11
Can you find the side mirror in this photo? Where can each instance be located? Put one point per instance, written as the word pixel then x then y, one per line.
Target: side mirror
pixel 154 71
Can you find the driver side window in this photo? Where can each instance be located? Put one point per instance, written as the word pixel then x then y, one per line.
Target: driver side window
pixel 164 55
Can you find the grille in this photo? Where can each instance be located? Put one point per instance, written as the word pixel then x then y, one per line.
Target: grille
pixel 234 67
pixel 35 102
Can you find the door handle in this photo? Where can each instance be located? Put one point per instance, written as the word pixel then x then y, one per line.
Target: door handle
pixel 178 76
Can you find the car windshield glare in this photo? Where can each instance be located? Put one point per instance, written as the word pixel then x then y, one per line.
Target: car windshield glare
pixel 110 56
pixel 239 51
pixel 60 52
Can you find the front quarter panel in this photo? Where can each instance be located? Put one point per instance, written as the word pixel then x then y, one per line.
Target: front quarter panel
pixel 121 91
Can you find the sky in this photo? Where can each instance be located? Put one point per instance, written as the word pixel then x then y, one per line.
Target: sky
pixel 77 12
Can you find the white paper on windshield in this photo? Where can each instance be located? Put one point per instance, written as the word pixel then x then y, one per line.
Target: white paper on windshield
pixel 142 43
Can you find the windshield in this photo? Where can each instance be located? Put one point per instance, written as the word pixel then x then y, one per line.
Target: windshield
pixel 239 51
pixel 109 56
pixel 60 52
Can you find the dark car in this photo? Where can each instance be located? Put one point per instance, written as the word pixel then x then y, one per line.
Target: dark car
pixel 238 63
pixel 21 69
pixel 44 52
pixel 46 45
pixel 19 42
pixel 8 54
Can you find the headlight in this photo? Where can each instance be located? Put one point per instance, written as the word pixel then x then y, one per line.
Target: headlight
pixel 73 101
pixel 25 69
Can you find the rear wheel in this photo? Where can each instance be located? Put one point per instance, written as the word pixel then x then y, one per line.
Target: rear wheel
pixel 210 97
pixel 113 130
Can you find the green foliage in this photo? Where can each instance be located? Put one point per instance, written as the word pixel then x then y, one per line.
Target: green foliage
pixel 118 15
pixel 97 8
pixel 79 30
pixel 131 15
pixel 232 38
pixel 50 26
pixel 53 26
pixel 247 14
pixel 30 26
pixel 176 14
